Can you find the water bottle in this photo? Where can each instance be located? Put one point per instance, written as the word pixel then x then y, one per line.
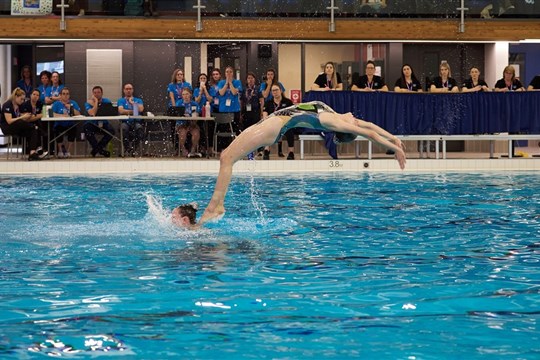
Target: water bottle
pixel 135 109
pixel 207 110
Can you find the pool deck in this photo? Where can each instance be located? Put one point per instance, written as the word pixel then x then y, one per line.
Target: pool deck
pixel 467 162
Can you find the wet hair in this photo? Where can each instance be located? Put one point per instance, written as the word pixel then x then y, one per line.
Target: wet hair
pixel 189 210
pixel 340 138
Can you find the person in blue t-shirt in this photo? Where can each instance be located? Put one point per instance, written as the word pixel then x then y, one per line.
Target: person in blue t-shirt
pixel 45 78
pixel 266 86
pixel 175 87
pixel 213 89
pixel 229 96
pixel 53 91
pixel 184 126
pixel 65 107
pixel 97 127
pixel 26 82
pixel 132 129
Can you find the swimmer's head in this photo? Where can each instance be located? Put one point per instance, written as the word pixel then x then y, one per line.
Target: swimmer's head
pixel 185 215
pixel 340 138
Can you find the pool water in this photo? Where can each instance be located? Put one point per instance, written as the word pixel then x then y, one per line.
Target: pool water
pixel 372 266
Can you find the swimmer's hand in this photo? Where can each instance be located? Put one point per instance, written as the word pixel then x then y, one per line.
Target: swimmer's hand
pixel 401 158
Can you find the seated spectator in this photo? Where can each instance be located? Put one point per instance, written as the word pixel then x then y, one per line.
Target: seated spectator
pixel 278 102
pixel 26 82
pixel 372 7
pixel 509 81
pixel 14 122
pixel 34 107
pixel 97 127
pixel 444 82
pixel 183 127
pixel 474 83
pixel 65 107
pixel 175 87
pixel 369 81
pixel 535 84
pixel 408 81
pixel 328 80
pixel 54 90
pixel 45 78
pixel 132 129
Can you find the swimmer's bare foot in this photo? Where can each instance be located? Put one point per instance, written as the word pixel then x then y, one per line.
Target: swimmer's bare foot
pixel 211 214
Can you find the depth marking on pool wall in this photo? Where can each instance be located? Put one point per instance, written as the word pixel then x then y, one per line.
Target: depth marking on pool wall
pixel 335 164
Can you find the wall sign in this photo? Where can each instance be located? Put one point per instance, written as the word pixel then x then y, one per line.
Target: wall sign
pixel 31 7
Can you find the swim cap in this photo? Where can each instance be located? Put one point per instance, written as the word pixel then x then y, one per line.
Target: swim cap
pixel 340 138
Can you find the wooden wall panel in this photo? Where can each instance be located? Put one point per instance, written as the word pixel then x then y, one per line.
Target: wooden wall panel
pixel 43 28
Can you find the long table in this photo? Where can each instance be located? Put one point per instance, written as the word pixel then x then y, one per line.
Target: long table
pixel 444 114
pixel 121 118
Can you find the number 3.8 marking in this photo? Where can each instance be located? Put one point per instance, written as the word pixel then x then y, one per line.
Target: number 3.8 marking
pixel 335 164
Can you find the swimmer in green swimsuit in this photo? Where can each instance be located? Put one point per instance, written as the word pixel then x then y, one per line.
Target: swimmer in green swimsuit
pixel 313 115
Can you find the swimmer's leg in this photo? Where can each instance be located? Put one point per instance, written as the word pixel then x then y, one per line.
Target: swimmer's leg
pixel 261 134
pixel 347 123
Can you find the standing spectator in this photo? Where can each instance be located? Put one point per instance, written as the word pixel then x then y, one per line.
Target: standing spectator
pixel 14 122
pixel 213 89
pixel 45 78
pixel 175 87
pixel 25 82
pixel 535 84
pixel 34 107
pixel 509 81
pixel 474 83
pixel 408 81
pixel 229 96
pixel 372 7
pixel 369 81
pixel 53 91
pixel 328 80
pixel 202 95
pixel 132 129
pixel 266 86
pixel 97 127
pixel 278 102
pixel 444 82
pixel 65 107
pixel 252 105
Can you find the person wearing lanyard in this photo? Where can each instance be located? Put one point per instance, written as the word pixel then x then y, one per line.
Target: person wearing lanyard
pixel 277 103
pixel 184 126
pixel 474 83
pixel 509 81
pixel 369 81
pixel 444 82
pixel 53 91
pixel 132 129
pixel 175 87
pixel 15 122
pixel 65 107
pixel 408 81
pixel 252 105
pixel 25 81
pixel 328 80
pixel 229 96
pixel 271 79
pixel 213 89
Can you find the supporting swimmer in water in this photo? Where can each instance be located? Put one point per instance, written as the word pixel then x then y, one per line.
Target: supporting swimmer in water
pixel 314 115
pixel 185 215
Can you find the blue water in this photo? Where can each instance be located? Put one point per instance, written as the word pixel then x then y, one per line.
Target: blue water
pixel 372 266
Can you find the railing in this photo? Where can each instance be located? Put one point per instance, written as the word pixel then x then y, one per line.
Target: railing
pixel 301 8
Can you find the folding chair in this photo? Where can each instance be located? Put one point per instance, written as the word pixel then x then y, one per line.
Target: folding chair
pixel 223 119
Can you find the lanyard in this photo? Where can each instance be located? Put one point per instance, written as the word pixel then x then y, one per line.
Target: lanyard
pixel 410 86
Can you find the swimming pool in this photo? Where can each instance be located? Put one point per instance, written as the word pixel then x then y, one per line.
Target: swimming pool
pixel 397 266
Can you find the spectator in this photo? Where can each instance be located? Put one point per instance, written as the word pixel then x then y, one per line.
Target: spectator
pixel 229 96
pixel 535 84
pixel 252 102
pixel 185 126
pixel 213 89
pixel 444 82
pixel 202 95
pixel 34 107
pixel 97 127
pixel 474 83
pixel 14 122
pixel 53 91
pixel 271 79
pixel 408 81
pixel 372 7
pixel 328 80
pixel 279 102
pixel 369 81
pixel 45 78
pixel 26 82
pixel 132 129
pixel 509 81
pixel 177 84
pixel 65 107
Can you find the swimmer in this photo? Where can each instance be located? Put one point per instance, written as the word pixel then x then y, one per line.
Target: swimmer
pixel 185 215
pixel 313 115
